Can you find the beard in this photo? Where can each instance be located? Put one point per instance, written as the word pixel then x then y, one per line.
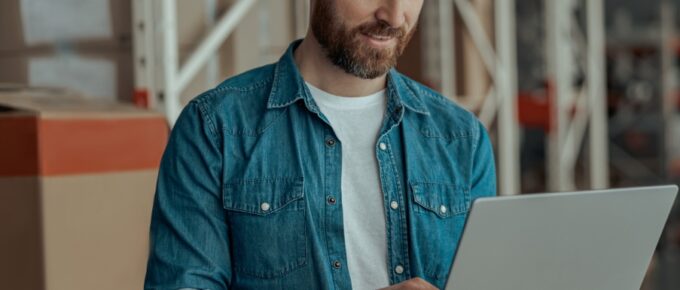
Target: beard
pixel 345 47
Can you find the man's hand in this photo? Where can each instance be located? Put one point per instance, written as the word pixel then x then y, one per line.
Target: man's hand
pixel 412 284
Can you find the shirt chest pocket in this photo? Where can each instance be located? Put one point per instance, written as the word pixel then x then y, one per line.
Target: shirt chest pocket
pixel 440 199
pixel 267 226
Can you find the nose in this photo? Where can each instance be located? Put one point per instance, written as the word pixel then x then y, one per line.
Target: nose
pixel 391 12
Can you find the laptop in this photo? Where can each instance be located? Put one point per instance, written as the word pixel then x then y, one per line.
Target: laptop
pixel 600 240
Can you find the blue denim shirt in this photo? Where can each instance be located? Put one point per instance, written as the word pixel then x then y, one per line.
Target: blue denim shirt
pixel 243 198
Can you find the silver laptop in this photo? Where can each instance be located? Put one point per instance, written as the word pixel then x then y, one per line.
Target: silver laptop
pixel 600 240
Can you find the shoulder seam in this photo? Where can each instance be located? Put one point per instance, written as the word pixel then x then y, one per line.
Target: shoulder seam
pixel 252 86
pixel 205 115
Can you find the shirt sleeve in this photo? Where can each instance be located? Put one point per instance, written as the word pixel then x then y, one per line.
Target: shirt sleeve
pixel 189 241
pixel 484 166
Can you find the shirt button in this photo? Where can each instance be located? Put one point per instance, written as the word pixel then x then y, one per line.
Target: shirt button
pixel 399 269
pixel 383 146
pixel 331 200
pixel 330 142
pixel 336 264
pixel 442 209
pixel 264 206
pixel 394 205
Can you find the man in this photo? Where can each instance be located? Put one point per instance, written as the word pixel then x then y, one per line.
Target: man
pixel 325 170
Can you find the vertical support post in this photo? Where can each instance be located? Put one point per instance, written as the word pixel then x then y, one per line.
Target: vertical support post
pixel 560 67
pixel 170 60
pixel 143 53
pixel 506 88
pixel 597 98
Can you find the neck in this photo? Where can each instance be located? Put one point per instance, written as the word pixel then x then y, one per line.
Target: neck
pixel 319 71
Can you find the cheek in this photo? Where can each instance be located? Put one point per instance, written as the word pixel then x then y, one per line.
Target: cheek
pixel 354 11
pixel 413 12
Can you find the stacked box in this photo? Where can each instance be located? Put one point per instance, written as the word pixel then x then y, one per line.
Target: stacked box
pixel 77 181
pixel 83 45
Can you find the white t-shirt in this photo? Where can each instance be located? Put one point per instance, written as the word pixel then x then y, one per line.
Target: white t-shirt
pixel 357 122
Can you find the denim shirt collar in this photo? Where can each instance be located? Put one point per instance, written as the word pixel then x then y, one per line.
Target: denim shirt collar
pixel 288 86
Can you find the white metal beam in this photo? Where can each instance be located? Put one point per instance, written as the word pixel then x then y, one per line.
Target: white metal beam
pixel 558 20
pixel 488 108
pixel 143 51
pixel 176 79
pixel 572 114
pixel 170 61
pixel 597 96
pixel 506 86
pixel 212 41
pixel 575 132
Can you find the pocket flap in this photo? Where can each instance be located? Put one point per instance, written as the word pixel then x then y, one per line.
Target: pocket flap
pixel 440 198
pixel 262 196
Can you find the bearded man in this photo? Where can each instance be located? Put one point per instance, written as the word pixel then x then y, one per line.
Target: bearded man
pixel 326 170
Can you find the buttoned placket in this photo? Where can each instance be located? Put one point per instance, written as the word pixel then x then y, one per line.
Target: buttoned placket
pixel 334 228
pixel 393 193
pixel 396 226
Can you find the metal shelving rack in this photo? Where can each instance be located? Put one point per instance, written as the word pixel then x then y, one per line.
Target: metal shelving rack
pixel 588 101
pixel 159 78
pixel 499 106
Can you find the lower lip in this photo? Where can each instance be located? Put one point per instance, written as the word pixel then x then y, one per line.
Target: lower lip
pixel 380 43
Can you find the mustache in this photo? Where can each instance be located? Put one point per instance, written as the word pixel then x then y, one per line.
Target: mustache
pixel 381 28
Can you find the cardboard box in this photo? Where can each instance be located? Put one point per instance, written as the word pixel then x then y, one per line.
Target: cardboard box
pixel 38 24
pixel 77 181
pixel 105 76
pixel 82 45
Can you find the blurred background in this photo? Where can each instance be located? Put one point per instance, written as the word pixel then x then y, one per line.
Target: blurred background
pixel 576 95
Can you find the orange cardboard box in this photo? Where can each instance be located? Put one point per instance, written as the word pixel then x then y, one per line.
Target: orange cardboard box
pixel 77 181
